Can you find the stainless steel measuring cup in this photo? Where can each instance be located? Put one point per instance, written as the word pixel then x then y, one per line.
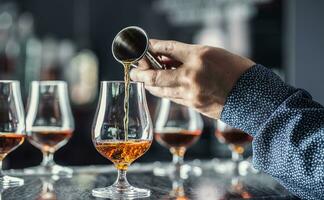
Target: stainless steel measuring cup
pixel 132 44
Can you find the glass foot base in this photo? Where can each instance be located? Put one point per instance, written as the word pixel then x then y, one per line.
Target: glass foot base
pixel 185 171
pixel 224 167
pixel 114 192
pixel 52 170
pixel 8 181
pixel 242 168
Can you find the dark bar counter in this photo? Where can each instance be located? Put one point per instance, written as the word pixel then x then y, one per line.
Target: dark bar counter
pixel 215 182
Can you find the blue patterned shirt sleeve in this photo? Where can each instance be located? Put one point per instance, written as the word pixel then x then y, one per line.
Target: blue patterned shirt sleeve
pixel 287 126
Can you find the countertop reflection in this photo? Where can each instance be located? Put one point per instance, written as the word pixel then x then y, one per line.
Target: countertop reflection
pixel 216 182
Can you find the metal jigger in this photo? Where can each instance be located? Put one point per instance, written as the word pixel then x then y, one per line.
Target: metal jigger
pixel 132 44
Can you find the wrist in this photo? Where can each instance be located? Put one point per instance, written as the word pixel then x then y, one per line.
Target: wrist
pixel 255 96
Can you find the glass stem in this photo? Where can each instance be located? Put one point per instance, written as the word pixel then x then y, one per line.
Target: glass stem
pixel 177 155
pixel 177 159
pixel 1 173
pixel 236 158
pixel 48 159
pixel 121 182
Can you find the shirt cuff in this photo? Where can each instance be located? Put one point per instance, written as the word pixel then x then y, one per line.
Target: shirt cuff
pixel 255 96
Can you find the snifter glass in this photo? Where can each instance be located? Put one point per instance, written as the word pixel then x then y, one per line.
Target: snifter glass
pixel 236 139
pixel 12 126
pixel 177 127
pixel 113 142
pixel 49 123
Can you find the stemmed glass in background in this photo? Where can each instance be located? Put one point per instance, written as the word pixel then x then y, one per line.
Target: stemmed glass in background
pixel 12 126
pixel 177 128
pixel 236 139
pixel 110 139
pixel 49 123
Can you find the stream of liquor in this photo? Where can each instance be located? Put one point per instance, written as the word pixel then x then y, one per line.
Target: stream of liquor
pixel 127 66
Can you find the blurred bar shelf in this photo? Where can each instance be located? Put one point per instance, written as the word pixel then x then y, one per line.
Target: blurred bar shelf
pixel 215 182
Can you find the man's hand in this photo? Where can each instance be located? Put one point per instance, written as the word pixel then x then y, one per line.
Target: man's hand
pixel 201 76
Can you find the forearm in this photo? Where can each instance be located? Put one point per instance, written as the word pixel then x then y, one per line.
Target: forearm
pixel 287 126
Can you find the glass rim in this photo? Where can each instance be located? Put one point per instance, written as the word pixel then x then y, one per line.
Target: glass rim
pixel 54 82
pixel 131 82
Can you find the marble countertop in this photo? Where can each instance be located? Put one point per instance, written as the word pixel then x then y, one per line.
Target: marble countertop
pixel 214 181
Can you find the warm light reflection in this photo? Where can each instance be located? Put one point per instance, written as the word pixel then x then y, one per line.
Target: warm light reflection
pixel 83 78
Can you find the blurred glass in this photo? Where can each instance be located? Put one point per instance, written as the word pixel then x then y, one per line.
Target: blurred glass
pixel 236 140
pixel 9 47
pixel 30 50
pixel 12 126
pixel 50 69
pixel 49 123
pixel 82 75
pixel 177 128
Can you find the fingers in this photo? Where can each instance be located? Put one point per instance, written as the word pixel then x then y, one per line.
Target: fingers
pixel 161 78
pixel 166 92
pixel 170 63
pixel 143 64
pixel 167 62
pixel 176 50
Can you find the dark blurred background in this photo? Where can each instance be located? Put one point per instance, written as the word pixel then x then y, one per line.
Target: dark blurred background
pixel 70 40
